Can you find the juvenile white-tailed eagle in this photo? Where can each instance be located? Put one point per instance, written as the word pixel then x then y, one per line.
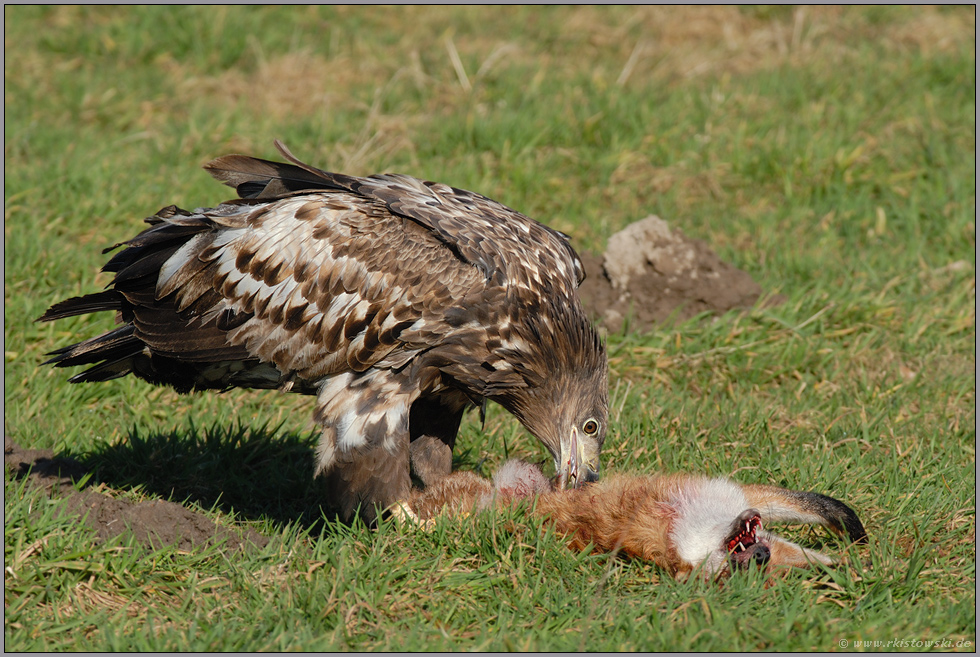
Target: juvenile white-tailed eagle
pixel 397 302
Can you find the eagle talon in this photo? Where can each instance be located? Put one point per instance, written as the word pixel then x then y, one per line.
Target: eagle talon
pixel 401 512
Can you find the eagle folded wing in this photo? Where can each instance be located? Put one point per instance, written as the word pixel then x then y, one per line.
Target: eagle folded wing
pixel 396 301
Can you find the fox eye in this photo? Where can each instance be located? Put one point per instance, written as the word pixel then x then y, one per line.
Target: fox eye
pixel 590 427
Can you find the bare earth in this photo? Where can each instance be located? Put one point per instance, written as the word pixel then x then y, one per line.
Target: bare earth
pixel 649 275
pixel 154 523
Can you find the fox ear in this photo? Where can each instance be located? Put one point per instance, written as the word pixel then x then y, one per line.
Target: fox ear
pixel 778 505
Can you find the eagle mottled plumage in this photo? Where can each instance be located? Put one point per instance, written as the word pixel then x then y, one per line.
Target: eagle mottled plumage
pixel 397 302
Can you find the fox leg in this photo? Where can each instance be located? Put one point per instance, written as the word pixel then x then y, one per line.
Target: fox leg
pixel 778 505
pixel 787 553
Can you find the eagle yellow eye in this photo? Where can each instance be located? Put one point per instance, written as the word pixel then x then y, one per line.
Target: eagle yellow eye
pixel 590 427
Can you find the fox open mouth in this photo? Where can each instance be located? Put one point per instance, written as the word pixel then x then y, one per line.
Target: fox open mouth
pixel 744 535
pixel 744 545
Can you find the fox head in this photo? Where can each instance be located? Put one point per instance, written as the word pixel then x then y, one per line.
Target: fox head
pixel 717 532
pixel 714 530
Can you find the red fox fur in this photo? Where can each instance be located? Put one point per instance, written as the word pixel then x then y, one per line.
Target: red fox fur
pixel 682 523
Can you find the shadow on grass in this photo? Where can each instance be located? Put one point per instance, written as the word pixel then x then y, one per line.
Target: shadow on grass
pixel 255 473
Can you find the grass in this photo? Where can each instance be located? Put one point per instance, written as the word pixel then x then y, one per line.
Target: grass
pixel 830 152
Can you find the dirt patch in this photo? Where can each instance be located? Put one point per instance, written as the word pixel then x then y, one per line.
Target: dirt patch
pixel 651 274
pixel 154 523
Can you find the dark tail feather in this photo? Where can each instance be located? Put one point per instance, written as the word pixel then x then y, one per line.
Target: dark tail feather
pixel 119 343
pixel 144 254
pixel 255 178
pixel 105 371
pixel 114 352
pixel 90 303
pixel 320 174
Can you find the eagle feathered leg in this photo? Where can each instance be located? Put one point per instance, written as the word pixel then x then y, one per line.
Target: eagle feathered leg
pixel 432 459
pixel 372 479
pixel 433 425
pixel 363 455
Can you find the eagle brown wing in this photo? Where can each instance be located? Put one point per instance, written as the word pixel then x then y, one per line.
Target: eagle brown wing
pixel 372 293
pixel 314 284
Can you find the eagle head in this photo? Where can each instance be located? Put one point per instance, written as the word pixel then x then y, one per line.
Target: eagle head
pixel 570 419
pixel 565 399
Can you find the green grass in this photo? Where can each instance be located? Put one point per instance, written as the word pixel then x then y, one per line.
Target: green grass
pixel 828 152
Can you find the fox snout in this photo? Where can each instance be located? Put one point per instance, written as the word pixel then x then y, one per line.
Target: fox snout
pixel 758 554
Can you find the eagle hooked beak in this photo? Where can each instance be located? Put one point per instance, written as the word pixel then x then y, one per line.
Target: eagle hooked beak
pixel 573 466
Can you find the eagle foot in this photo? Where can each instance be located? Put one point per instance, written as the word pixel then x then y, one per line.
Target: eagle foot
pixel 402 512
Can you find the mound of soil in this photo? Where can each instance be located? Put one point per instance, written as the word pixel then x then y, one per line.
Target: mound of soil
pixel 651 274
pixel 155 523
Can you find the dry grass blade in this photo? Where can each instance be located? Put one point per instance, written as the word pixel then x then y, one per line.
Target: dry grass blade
pixel 464 81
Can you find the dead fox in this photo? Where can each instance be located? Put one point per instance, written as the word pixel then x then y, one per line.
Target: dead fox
pixel 682 523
